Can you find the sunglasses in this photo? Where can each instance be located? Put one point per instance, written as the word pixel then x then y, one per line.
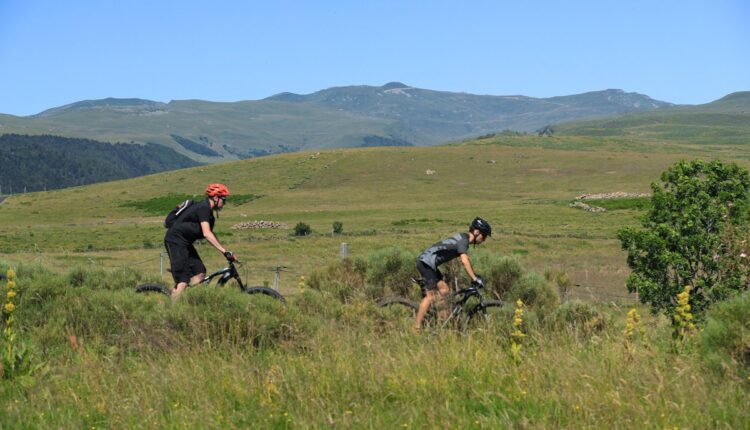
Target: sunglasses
pixel 223 199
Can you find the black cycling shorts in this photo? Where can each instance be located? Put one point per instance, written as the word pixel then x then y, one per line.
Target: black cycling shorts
pixel 184 262
pixel 431 276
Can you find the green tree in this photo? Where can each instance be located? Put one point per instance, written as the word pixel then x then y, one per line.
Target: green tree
pixel 684 239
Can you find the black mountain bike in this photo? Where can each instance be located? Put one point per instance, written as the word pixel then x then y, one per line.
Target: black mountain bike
pixel 468 307
pixel 224 275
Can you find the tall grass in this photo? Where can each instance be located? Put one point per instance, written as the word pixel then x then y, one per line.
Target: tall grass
pixel 221 359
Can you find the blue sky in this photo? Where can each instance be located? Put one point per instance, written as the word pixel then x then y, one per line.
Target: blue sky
pixel 57 52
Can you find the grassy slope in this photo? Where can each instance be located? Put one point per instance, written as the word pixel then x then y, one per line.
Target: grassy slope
pixel 524 193
pixel 218 359
pixel 722 122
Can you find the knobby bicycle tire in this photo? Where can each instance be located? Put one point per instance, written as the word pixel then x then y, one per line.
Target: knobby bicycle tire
pixel 153 288
pixel 481 314
pixel 410 306
pixel 267 291
pixel 399 301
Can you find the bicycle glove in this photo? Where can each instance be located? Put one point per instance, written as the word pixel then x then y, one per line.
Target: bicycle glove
pixel 479 282
pixel 230 256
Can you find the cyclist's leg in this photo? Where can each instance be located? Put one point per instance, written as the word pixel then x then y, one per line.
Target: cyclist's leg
pixel 178 289
pixel 179 262
pixel 424 306
pixel 444 293
pixel 197 268
pixel 431 278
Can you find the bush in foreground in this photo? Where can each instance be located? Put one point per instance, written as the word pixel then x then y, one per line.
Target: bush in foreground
pixel 726 336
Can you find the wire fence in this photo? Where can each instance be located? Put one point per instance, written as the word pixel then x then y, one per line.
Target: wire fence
pixel 283 276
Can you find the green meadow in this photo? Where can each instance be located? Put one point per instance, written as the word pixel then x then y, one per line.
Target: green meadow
pixel 101 356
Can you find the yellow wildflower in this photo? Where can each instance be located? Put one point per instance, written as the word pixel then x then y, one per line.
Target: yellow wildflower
pixel 682 319
pixel 517 335
pixel 9 307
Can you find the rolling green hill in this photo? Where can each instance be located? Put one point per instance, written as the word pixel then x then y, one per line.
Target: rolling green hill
pixel 394 114
pixel 724 121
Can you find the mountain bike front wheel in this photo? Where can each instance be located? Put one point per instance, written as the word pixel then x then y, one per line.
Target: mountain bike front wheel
pixel 484 314
pixel 153 288
pixel 265 291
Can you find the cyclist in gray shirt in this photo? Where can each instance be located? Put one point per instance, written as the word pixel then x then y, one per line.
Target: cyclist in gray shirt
pixel 441 252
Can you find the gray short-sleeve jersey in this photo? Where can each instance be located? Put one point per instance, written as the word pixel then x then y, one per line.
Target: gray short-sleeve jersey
pixel 445 250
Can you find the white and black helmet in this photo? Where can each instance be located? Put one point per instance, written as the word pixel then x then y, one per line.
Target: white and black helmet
pixel 481 225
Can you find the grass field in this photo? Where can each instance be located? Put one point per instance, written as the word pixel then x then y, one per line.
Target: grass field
pixel 318 363
pixel 522 185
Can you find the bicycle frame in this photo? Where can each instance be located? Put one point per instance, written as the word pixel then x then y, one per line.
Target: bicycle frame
pixel 458 305
pixel 224 275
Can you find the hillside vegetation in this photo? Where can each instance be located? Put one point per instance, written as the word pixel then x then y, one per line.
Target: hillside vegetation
pixel 98 355
pixel 105 357
pixel 523 185
pixel 725 121
pixel 36 163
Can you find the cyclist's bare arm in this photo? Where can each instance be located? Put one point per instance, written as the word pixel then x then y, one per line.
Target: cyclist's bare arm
pixel 210 237
pixel 467 266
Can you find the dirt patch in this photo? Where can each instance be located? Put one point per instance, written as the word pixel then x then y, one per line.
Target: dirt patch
pixel 578 203
pixel 614 195
pixel 259 224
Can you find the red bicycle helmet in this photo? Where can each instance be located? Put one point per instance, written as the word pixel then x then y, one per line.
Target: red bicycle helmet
pixel 217 190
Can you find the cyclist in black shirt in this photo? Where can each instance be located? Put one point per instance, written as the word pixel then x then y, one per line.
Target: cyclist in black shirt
pixel 441 252
pixel 196 223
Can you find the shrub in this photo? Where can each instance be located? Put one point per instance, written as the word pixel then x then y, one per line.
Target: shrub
pixel 123 278
pixel 302 229
pixel 536 293
pixel 344 280
pixel 726 336
pixel 224 315
pixel 562 280
pixel 500 272
pixel 338 227
pixel 106 316
pixel 390 271
pixel 580 316
pixel 317 303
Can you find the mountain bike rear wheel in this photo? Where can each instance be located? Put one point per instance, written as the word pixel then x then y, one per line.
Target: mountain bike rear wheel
pixel 405 308
pixel 401 304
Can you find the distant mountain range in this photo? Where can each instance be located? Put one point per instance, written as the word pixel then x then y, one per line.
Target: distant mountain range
pixel 76 144
pixel 352 116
